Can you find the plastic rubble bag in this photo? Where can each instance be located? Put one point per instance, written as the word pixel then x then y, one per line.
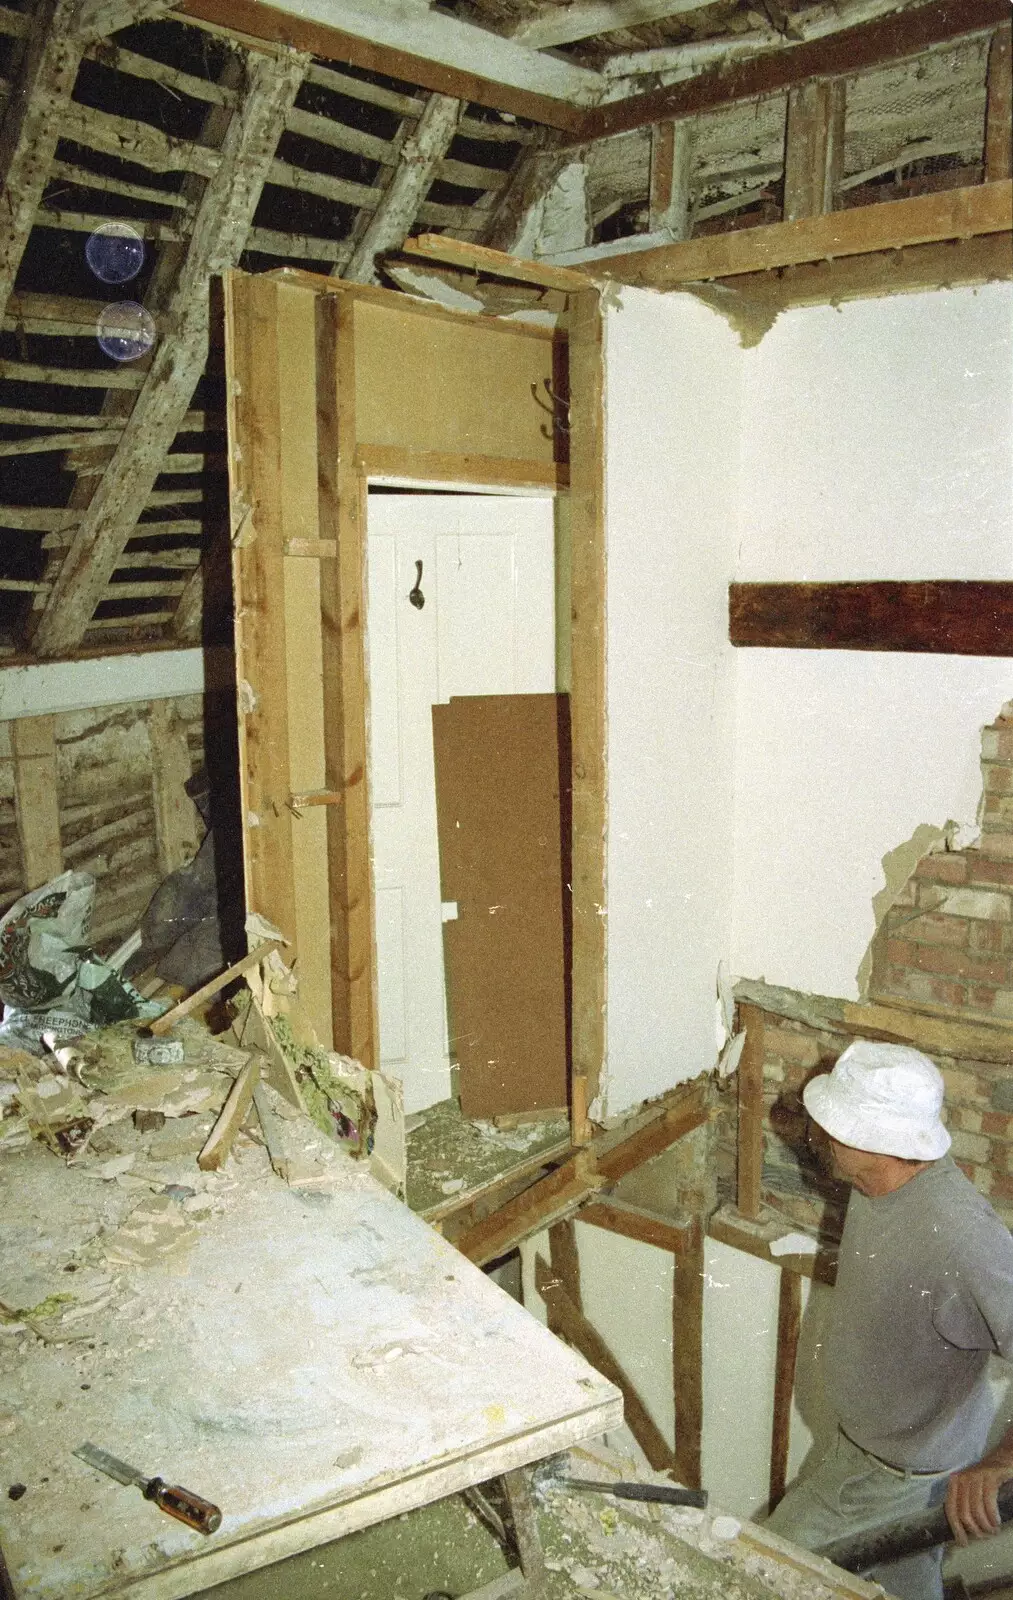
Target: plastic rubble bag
pixel 50 980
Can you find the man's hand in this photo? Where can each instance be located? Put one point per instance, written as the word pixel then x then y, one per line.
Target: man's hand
pixel 971 1507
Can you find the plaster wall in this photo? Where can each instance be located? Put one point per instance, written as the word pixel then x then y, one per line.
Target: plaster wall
pixel 877 442
pixel 671 443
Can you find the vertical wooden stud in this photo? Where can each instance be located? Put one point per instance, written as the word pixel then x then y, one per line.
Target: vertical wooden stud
pixel 687 1356
pixel 587 694
pixel 33 742
pixel 671 156
pixel 297 401
pixel 255 486
pixel 176 829
pixel 343 509
pixel 814 142
pixel 789 1323
pixel 998 162
pixel 750 1140
pixel 565 1260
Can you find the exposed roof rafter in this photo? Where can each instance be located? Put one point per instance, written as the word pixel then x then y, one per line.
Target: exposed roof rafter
pixel 220 228
pixel 421 156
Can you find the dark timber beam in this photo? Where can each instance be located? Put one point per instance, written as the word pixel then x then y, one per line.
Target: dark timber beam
pixel 971 618
pixel 839 55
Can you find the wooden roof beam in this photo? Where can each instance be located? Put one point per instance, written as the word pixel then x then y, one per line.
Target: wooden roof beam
pixel 31 126
pixel 221 225
pixel 419 46
pixel 421 155
pixel 888 225
pixel 842 54
pixel 552 24
pixel 478 258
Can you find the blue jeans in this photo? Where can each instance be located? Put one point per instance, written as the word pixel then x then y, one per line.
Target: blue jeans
pixel 851 1492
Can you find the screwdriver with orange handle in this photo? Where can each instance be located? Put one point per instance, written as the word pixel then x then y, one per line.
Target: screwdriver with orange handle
pixel 180 1503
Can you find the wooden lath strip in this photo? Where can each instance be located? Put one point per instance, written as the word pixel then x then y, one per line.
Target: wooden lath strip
pixel 87 222
pixel 136 142
pixel 83 178
pixel 220 229
pixel 138 66
pixel 297 246
pixel 287 176
pixel 72 377
pixel 31 127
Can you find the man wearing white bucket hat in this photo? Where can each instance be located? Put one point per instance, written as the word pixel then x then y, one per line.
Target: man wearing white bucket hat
pixel 924 1296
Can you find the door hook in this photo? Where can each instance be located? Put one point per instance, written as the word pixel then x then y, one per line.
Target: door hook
pixel 416 596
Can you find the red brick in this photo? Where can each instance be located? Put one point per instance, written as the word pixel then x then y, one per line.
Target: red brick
pixel 948 994
pixel 986 938
pixel 997 742
pixel 950 867
pixel 997 778
pixel 997 843
pixel 1002 1184
pixel 904 954
pixel 982 998
pixel 996 1122
pixel 934 929
pixel 985 870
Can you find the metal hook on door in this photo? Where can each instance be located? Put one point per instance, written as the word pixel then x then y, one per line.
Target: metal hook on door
pixel 416 597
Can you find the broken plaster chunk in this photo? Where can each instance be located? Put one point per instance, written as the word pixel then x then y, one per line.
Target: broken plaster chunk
pixel 725 1528
pixel 116 1167
pixel 794 1244
pixel 154 1229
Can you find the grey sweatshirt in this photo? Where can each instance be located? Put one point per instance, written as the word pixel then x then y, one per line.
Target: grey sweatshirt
pixel 924 1295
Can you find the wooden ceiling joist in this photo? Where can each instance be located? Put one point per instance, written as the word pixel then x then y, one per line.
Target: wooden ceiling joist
pixel 904 33
pixel 222 223
pixel 551 25
pixel 431 49
pixel 479 258
pixel 890 225
pixel 402 199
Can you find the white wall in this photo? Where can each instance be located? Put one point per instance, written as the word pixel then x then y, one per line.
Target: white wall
pixel 877 442
pixel 870 442
pixel 672 428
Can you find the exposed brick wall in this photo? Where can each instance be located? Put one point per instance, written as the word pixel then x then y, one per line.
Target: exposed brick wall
pixel 947 942
pixel 944 947
pixel 978 1111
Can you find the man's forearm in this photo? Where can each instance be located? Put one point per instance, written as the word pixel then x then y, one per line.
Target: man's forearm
pixel 971 1505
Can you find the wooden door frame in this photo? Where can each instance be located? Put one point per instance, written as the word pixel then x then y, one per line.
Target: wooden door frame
pixel 274 383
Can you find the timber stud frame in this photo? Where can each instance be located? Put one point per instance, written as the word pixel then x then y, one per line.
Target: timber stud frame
pixel 302 451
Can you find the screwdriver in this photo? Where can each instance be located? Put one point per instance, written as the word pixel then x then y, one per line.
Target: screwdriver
pixel 182 1504
pixel 668 1495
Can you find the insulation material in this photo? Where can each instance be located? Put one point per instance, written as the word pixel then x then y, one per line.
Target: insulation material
pixel 502 814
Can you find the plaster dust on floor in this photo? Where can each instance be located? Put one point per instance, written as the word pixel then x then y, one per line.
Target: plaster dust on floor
pixel 596 1548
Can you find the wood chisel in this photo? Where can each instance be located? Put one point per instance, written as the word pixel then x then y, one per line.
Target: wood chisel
pixel 660 1492
pixel 182 1504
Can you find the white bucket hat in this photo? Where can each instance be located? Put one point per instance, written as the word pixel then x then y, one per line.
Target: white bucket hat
pixel 884 1098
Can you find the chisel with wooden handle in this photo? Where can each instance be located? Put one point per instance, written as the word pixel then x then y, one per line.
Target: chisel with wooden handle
pixel 664 1494
pixel 177 1502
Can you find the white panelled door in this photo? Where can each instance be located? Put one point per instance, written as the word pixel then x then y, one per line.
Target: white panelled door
pixel 486 625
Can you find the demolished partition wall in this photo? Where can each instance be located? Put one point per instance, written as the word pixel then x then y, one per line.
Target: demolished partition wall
pixel 93 758
pixel 754 794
